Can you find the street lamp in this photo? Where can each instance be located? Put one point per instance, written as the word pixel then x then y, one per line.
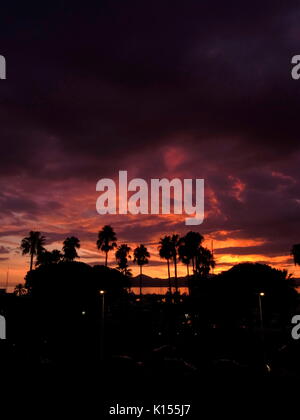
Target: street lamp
pixel 260 295
pixel 102 294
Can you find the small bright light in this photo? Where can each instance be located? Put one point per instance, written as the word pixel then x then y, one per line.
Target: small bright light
pixel 262 294
pixel 101 292
pixel 83 312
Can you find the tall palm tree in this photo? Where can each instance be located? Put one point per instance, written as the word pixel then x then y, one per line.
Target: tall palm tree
pixel 165 252
pixel 106 240
pixel 175 242
pixel 70 245
pixel 122 255
pixel 295 252
pixel 185 256
pixel 141 257
pixel 33 245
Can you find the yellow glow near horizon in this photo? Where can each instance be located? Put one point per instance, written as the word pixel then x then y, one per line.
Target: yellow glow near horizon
pixel 17 265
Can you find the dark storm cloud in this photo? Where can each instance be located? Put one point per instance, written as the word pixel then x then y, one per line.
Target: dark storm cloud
pixel 104 86
pixel 19 204
pixel 107 80
pixel 60 237
pixel 139 231
pixel 4 250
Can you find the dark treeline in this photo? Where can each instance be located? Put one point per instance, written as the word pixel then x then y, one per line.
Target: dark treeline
pixel 187 250
pixel 69 313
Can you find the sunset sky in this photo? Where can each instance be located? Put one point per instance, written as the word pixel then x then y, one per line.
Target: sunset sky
pixel 160 89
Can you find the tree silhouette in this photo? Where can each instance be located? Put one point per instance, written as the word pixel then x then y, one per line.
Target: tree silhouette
pixel 185 256
pixel 192 242
pixel 33 245
pixel 69 248
pixel 204 261
pixel 20 290
pixel 49 257
pixel 141 256
pixel 165 252
pixel 175 242
pixel 295 252
pixel 56 256
pixel 106 240
pixel 122 255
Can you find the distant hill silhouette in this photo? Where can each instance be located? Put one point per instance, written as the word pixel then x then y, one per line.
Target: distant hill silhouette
pixel 149 281
pixel 156 281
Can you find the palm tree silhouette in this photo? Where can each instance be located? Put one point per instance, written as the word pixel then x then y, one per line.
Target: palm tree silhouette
pixel 295 252
pixel 185 256
pixel 192 242
pixel 122 255
pixel 20 290
pixel 33 245
pixel 175 242
pixel 165 252
pixel 69 248
pixel 204 261
pixel 141 256
pixel 106 240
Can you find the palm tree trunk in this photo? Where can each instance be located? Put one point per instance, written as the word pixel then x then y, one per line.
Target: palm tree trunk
pixel 175 269
pixel 169 276
pixel 188 278
pixel 31 261
pixel 140 280
pixel 106 253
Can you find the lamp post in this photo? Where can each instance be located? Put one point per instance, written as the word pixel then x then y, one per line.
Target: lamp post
pixel 260 295
pixel 262 331
pixel 102 294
